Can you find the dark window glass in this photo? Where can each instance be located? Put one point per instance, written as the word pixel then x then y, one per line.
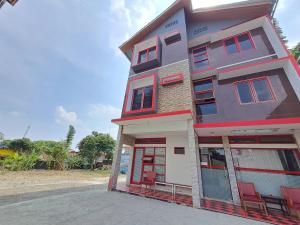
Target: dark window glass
pixel 142 56
pixel 244 92
pixel 179 150
pixel 208 140
pixel 137 99
pixel 152 54
pixel 173 39
pixel 213 156
pixel 204 95
pixel 206 109
pixel 277 139
pixel 288 160
pixel 242 140
pixel 199 51
pixel 147 97
pixel 262 90
pixel 203 85
pixel 231 46
pixel 245 42
pixel 201 64
pixel 198 58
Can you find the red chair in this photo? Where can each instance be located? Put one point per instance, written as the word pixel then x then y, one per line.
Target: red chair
pixel 249 195
pixel 149 179
pixel 292 196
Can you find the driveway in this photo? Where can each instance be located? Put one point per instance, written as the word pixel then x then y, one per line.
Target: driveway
pixel 93 205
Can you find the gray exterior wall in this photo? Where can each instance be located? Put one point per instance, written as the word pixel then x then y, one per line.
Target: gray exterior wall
pixel 197 29
pixel 286 104
pixel 218 56
pixel 174 52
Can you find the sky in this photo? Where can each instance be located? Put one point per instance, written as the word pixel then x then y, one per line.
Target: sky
pixel 60 63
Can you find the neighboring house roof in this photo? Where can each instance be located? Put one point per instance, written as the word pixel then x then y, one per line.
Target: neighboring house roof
pixel 245 8
pixel 2 146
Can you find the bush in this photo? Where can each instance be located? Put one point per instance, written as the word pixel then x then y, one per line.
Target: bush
pixel 19 162
pixel 77 162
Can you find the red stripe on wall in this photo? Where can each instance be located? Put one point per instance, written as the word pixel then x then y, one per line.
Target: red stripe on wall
pixel 249 123
pixel 268 171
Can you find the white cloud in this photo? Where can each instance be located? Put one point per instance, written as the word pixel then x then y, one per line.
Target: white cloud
pixel 103 111
pixel 62 116
pixel 118 7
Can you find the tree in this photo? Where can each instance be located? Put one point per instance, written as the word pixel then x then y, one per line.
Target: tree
pixel 70 136
pixel 23 145
pixel 55 153
pixel 279 31
pixel 95 145
pixel 296 52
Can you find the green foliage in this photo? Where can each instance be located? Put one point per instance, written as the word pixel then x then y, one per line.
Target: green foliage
pixel 70 136
pixel 95 145
pixel 76 162
pixel 19 162
pixel 296 52
pixel 56 154
pixel 20 145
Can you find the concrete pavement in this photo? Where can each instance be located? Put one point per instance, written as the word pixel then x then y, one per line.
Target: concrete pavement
pixel 93 205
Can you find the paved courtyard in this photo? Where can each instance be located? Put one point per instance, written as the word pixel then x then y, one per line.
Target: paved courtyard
pixel 93 205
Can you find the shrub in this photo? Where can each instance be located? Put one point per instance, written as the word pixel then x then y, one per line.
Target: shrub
pixel 19 162
pixel 77 162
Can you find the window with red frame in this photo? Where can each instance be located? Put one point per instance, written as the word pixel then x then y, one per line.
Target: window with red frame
pixel 142 98
pixel 147 55
pixel 239 43
pixel 204 97
pixel 255 90
pixel 200 57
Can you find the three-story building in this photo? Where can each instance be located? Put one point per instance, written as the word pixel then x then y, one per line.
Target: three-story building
pixel 212 98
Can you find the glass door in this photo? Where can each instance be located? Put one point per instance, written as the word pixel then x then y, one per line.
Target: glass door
pixel 215 179
pixel 148 159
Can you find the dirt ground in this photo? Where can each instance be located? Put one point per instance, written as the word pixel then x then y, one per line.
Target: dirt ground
pixel 12 183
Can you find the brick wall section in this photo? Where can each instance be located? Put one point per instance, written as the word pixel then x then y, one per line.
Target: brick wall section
pixel 178 96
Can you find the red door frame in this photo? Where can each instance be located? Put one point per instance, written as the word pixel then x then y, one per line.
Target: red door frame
pixel 143 164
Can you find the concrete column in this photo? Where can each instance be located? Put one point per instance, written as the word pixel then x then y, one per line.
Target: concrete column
pixel 116 161
pixel 193 147
pixel 297 138
pixel 128 176
pixel 231 172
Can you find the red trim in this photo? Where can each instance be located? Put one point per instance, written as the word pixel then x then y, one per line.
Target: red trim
pixel 200 54
pixel 268 171
pixel 204 91
pixel 175 78
pixel 202 140
pixel 253 64
pixel 150 141
pixel 253 91
pixel 237 42
pixel 147 164
pixel 249 123
pixel 154 83
pixel 174 113
pixel 257 139
pixel 213 167
pixel 147 52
